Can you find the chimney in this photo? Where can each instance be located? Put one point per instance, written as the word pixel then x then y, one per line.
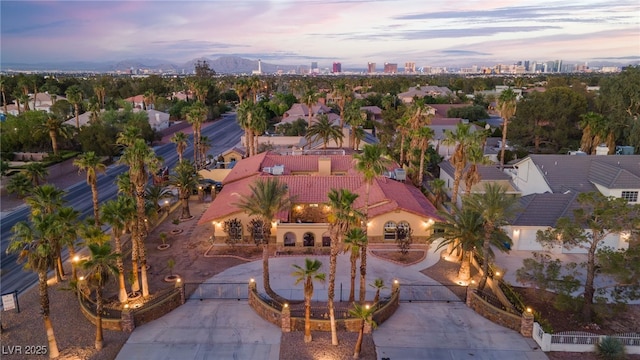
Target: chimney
pixel 602 149
pixel 324 166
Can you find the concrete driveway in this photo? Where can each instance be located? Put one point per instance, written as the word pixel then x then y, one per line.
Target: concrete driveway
pixel 229 329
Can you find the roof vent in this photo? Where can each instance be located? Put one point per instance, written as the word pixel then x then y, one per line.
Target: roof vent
pixel 277 170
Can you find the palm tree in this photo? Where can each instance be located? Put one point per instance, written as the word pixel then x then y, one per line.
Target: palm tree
pixel 33 245
pixel 45 199
pixel 595 131
pixel 180 139
pixel 422 136
pixel 141 160
pixel 101 93
pixel 75 96
pixel 377 284
pixel 91 163
pixel 4 95
pixel 308 274
pixel 185 178
pixel 99 268
pixel 204 144
pixel 463 231
pixel 354 239
pixel 54 127
pixel 322 129
pixel 364 313
pixel 36 172
pixel 475 155
pixel 462 138
pixel 267 198
pixel 495 207
pixel 69 219
pixel 507 108
pixel 353 116
pixel 438 190
pixel 196 115
pixel 310 98
pixel 19 184
pixel 251 117
pixel 154 194
pixel 370 163
pixel 403 128
pixel 342 94
pixel 119 213
pixel 341 218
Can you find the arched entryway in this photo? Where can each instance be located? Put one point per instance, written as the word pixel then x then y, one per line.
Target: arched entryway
pixel 326 239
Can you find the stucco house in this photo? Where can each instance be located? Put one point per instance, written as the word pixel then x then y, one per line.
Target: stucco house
pixel 551 183
pixel 392 204
pixel 422 91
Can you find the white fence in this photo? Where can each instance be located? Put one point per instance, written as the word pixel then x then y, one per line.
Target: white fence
pixel 579 341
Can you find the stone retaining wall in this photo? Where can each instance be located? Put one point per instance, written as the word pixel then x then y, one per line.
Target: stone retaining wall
pixel 491 312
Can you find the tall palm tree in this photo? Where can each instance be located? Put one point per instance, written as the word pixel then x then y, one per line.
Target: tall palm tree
pixel 101 93
pixel 252 118
pixel 595 131
pixel 438 190
pixel 119 213
pixel 462 230
pixel 54 126
pixel 354 239
pixel 204 144
pixel 34 246
pixel 180 139
pixel 353 116
pixel 364 313
pixel 141 160
pixel 341 218
pixel 36 172
pixel 45 199
pixel 154 194
pixel 342 94
pixel 462 138
pixel 69 220
pixel 323 130
pixel 74 97
pixel 308 273
pixel 4 95
pixel 370 163
pixel 403 128
pixel 507 108
pixel 196 115
pixel 422 137
pixel 267 197
pixel 475 155
pixel 310 98
pixel 495 207
pixel 99 268
pixel 185 178
pixel 92 164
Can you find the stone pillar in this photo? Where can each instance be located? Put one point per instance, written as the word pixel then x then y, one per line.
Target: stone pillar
pixel 526 324
pixel 126 319
pixel 395 287
pixel 180 286
pixel 252 286
pixel 286 318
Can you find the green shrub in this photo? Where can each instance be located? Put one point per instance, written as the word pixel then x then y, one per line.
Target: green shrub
pixel 610 348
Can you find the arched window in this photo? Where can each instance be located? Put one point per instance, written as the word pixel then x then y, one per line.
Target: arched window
pixel 326 239
pixel 289 239
pixel 308 239
pixel 403 230
pixel 390 230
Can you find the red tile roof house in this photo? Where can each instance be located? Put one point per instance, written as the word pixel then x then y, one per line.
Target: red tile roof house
pixel 309 178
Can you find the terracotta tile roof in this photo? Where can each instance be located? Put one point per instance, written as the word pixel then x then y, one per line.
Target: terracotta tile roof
pixel 245 168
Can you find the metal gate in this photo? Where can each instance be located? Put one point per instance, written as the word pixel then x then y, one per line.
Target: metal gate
pixel 217 290
pixel 432 292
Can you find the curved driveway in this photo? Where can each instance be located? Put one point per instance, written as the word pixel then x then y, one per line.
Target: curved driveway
pixel 229 329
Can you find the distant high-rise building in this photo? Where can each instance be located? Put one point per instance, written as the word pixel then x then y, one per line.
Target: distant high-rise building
pixel 337 67
pixel 371 68
pixel 390 68
pixel 409 67
pixel 314 67
pixel 259 71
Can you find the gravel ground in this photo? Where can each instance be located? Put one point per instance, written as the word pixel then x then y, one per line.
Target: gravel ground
pixel 293 347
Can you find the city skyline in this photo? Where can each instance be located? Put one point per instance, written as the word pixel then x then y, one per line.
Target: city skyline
pixel 300 32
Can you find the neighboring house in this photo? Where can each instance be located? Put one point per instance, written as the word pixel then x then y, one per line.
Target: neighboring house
pixel 439 127
pixel 83 119
pixel 551 183
pixel 137 101
pixel 157 119
pixel 182 95
pixel 301 111
pixel 374 111
pixel 441 110
pixel 309 178
pixel 422 91
pixel 44 101
pixel 488 174
pixel 11 109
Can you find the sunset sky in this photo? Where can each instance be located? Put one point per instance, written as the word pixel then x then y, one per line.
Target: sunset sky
pixel 354 32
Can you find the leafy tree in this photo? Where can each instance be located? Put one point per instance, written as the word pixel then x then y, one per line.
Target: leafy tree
pixel 92 164
pixel 267 198
pixel 404 239
pixel 308 273
pixel 620 103
pixel 472 113
pixel 295 128
pixel 34 245
pixel 364 313
pixel 99 268
pixel 594 219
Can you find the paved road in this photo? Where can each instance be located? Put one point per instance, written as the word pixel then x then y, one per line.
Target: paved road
pixel 230 329
pixel 224 134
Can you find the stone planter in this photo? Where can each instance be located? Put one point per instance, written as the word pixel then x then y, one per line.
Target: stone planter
pixel 176 231
pixel 163 247
pixel 171 278
pixel 134 295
